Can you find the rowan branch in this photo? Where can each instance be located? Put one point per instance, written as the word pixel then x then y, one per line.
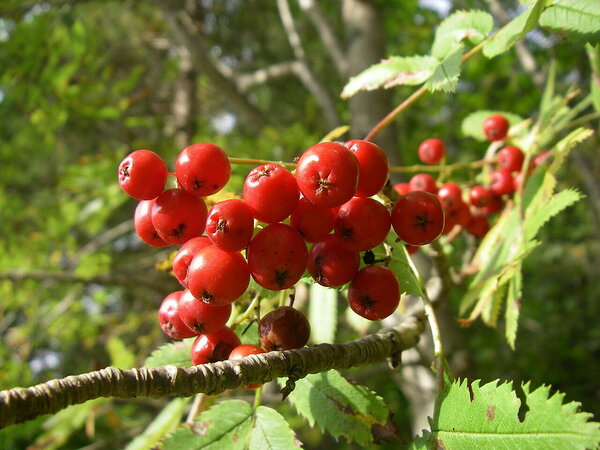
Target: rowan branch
pixel 21 404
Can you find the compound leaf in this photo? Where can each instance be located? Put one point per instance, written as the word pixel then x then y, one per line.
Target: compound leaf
pixel 458 27
pixel 537 218
pixel 339 407
pixel 475 417
pixel 175 353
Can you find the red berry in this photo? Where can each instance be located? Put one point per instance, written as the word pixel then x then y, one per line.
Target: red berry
pixel 479 196
pixel 449 223
pixel 510 158
pixel 478 226
pixel 495 127
pixel 271 192
pixel 312 222
pixel 142 175
pixel 450 196
pixel 184 257
pixel 168 317
pixel 210 348
pixel 201 317
pixel 178 216
pixel 460 215
pixel 412 249
pixel 373 167
pixel 241 351
pixel 327 174
pixel 542 158
pixel 362 223
pixel 431 151
pixel 218 277
pixel 502 182
pixel 330 264
pixel 418 218
pixel 202 169
pixel 423 182
pixel 143 224
pixel 230 225
pixel 496 204
pixel 374 293
pixel 277 257
pixel 284 328
pixel 402 188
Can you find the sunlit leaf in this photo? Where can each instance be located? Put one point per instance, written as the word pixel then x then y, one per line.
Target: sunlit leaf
pixel 472 26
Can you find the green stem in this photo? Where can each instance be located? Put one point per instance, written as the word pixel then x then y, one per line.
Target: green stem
pixel 258 397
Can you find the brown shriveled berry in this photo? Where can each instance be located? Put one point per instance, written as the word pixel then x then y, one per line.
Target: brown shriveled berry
pixel 284 328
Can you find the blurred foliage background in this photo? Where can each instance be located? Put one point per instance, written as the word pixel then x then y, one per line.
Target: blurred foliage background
pixel 84 82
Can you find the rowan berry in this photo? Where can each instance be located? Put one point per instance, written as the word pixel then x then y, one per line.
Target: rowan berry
pixel 284 328
pixel 230 225
pixel 479 196
pixel 142 220
pixel 501 182
pixel 330 264
pixel 495 127
pixel 202 169
pixel 450 195
pixel 374 293
pixel 312 222
pixel 210 348
pixel 178 216
pixel 241 351
pixel 460 215
pixel 423 182
pixel 510 158
pixel 184 257
pixel 402 188
pixel 201 317
pixel 169 319
pixel 431 151
pixel 142 175
pixel 494 205
pixel 418 218
pixel 361 224
pixel 478 226
pixel 373 167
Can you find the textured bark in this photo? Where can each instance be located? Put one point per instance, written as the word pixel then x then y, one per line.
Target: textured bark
pixel 21 404
pixel 366 46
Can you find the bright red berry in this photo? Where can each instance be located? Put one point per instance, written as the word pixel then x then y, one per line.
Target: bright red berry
pixel 362 223
pixel 201 317
pixel 241 351
pixel 501 182
pixel 450 195
pixel 284 328
pixel 412 249
pixel 418 218
pixel 478 226
pixel 178 216
pixel 202 169
pixel 431 151
pixel 230 225
pixel 510 158
pixel 312 222
pixel 402 188
pixel 460 215
pixel 210 348
pixel 271 192
pixel 218 277
pixel 168 317
pixel 479 196
pixel 374 293
pixel 277 257
pixel 495 127
pixel 330 264
pixel 423 182
pixel 142 175
pixel 327 174
pixel 373 167
pixel 184 257
pixel 142 219
pixel 496 204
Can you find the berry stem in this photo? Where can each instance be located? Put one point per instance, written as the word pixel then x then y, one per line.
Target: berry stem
pixel 436 335
pixel 249 310
pixel 448 168
pixel 258 397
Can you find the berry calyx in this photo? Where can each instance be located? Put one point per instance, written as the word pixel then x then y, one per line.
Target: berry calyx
pixel 284 328
pixel 418 218
pixel 202 169
pixel 230 225
pixel 373 167
pixel 374 293
pixel 169 319
pixel 361 224
pixel 431 151
pixel 201 317
pixel 142 175
pixel 330 264
pixel 178 216
pixel 450 195
pixel 495 127
pixel 479 196
pixel 209 348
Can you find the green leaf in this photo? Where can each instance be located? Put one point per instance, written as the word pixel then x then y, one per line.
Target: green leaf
pixel 226 425
pixel 593 52
pixel 175 353
pixel 473 26
pixel 401 264
pixel 271 431
pixel 395 71
pixel 342 409
pixel 476 417
pixel 322 313
pixel 472 125
pixel 578 18
pixel 446 74
pixel 537 218
pixel 120 355
pixel 513 307
pixel 168 419
pixel 514 31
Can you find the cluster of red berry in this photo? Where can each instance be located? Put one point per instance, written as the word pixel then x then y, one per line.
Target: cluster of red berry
pixel 330 204
pixel 482 201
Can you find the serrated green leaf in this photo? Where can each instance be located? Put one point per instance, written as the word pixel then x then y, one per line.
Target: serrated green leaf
pixel 473 26
pixel 395 71
pixel 322 313
pixel 513 307
pixel 120 355
pixel 446 74
pixel 579 18
pixel 489 418
pixel 515 30
pixel 166 421
pixel 472 125
pixel 339 407
pixel 548 98
pixel 227 425
pixel 175 353
pixel 593 52
pixel 401 264
pixel 555 204
pixel 271 431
